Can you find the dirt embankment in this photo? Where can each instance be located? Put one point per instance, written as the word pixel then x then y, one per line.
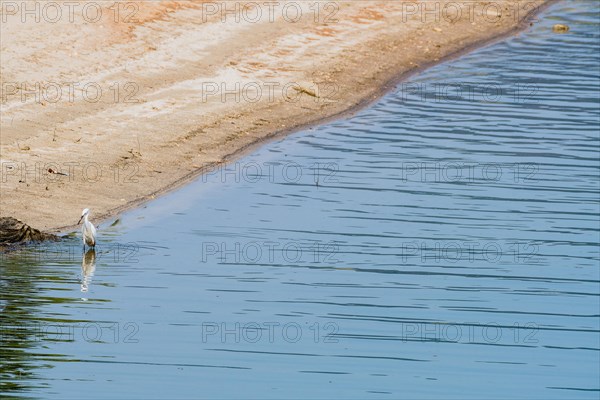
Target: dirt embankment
pixel 105 105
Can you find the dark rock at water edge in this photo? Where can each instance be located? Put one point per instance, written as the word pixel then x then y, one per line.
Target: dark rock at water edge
pixel 13 231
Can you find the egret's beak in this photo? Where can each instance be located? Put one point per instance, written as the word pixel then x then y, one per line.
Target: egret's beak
pixel 80 220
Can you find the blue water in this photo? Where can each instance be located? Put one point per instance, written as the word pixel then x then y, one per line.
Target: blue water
pixel 442 243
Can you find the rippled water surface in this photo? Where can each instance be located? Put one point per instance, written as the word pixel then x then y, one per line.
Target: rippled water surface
pixel 442 243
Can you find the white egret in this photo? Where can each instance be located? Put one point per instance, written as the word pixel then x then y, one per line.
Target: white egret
pixel 88 230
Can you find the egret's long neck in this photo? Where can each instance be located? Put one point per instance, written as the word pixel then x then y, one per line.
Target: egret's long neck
pixel 85 218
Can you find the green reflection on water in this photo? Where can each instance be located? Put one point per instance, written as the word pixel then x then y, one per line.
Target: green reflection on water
pixel 23 334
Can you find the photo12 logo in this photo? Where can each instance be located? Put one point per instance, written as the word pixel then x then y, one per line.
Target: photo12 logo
pixel 461 172
pixel 70 171
pixel 455 251
pixel 269 332
pixel 91 332
pixel 270 92
pixel 492 333
pixel 269 252
pixel 318 173
pixel 474 11
pixel 111 253
pixel 253 12
pixel 69 92
pixel 54 12
pixel 459 92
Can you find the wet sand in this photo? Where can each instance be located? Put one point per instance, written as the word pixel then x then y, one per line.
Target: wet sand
pixel 108 106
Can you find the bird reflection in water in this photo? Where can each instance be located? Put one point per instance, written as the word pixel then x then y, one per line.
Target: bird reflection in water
pixel 88 266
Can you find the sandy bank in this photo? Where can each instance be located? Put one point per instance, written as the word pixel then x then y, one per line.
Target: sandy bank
pixel 106 105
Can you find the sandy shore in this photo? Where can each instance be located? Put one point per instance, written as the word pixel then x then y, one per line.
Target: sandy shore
pixel 107 105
